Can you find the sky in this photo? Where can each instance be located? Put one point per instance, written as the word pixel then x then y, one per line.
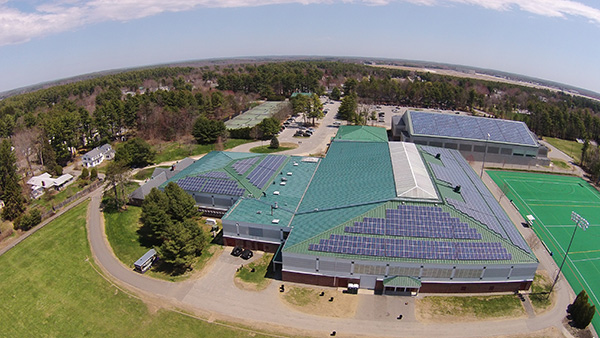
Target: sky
pixel 45 40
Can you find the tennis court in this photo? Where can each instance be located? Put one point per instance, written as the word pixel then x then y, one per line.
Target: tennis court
pixel 551 199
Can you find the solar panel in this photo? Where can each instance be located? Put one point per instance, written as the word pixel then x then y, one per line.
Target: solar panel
pixel 479 203
pixel 477 128
pixel 191 183
pixel 215 174
pixel 242 166
pixel 211 185
pixel 408 248
pixel 415 221
pixel 265 170
pixel 223 187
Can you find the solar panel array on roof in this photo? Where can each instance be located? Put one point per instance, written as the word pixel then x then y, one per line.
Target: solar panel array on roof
pixel 406 248
pixel 211 185
pixel 479 203
pixel 415 221
pixel 215 174
pixel 191 183
pixel 469 127
pixel 242 166
pixel 265 170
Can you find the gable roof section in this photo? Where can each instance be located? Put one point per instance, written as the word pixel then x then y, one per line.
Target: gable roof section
pixel 144 190
pixel 352 173
pixel 361 133
pixel 474 200
pixel 310 229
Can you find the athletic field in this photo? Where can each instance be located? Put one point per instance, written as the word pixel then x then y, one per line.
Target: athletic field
pixel 551 199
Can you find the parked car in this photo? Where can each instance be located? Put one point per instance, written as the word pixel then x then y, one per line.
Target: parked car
pixel 247 254
pixel 237 251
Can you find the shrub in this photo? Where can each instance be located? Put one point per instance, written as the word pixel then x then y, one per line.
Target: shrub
pixel 28 220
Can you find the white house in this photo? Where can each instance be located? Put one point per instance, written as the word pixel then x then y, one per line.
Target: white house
pixel 44 181
pixel 95 156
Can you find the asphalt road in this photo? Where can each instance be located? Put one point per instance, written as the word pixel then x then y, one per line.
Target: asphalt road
pixel 215 293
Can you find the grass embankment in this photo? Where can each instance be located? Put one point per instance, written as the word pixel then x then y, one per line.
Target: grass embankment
pixel 468 308
pixel 266 149
pixel 143 174
pixel 571 148
pixel 561 164
pixel 539 293
pixel 55 291
pixel 122 233
pixel 172 151
pixel 257 279
pixel 309 300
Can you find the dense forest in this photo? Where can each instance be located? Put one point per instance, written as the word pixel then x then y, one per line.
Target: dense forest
pixel 49 127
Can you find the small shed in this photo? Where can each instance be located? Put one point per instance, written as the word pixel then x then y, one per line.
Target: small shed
pixel 145 262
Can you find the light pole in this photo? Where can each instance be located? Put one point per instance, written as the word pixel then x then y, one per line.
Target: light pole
pixel 580 222
pixel 485 153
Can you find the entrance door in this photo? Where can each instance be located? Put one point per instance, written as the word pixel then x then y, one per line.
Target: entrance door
pixel 368 282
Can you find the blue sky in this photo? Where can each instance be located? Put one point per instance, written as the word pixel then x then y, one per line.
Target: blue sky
pixel 44 40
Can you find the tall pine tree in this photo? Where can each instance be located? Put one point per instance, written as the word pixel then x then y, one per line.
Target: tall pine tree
pixel 10 189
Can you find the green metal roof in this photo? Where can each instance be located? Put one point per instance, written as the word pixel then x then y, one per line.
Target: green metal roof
pixel 288 198
pixel 321 225
pixel 402 282
pixel 215 160
pixel 352 173
pixel 361 133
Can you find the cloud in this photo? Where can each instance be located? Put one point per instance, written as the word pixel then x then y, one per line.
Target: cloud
pixel 55 16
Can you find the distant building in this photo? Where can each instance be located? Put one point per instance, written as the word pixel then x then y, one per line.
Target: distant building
pixel 40 183
pixel 502 141
pixel 97 155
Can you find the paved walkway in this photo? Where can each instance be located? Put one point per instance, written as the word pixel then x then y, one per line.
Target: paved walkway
pixel 215 294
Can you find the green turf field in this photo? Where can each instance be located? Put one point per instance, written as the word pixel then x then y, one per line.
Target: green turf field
pixel 551 199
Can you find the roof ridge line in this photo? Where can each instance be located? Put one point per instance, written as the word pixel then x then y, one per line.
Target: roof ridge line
pixel 344 206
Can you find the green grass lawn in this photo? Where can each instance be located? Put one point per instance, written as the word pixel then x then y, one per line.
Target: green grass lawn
pixel 482 307
pixel 143 174
pixel 173 151
pixel 266 149
pixel 259 275
pixel 51 289
pixel 539 292
pixel 302 296
pixel 121 230
pixel 560 164
pixel 571 148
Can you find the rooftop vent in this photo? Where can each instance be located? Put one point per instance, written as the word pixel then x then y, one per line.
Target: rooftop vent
pixel 457 189
pixel 275 192
pixel 259 212
pixel 282 183
pixel 438 156
pixel 289 173
pixel 275 221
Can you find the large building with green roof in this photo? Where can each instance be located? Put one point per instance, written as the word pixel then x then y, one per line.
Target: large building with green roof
pixel 390 216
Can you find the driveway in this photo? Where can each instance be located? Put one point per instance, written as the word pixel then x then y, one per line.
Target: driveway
pixel 215 293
